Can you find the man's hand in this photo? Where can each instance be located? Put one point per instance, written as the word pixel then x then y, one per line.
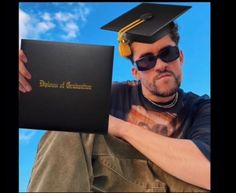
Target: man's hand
pixel 24 74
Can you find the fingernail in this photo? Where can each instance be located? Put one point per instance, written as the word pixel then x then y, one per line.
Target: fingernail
pixel 25 59
pixel 29 76
pixel 28 88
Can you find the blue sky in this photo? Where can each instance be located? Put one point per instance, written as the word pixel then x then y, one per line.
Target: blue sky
pixel 81 22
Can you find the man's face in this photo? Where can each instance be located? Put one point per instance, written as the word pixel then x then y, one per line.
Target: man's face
pixel 164 78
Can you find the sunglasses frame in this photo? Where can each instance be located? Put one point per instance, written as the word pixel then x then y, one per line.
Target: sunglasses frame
pixel 154 58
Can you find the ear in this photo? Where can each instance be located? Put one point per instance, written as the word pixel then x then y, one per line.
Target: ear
pixel 181 57
pixel 135 73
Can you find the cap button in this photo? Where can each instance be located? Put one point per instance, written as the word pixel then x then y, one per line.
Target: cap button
pixel 146 16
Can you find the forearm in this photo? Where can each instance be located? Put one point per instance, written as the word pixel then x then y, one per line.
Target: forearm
pixel 179 157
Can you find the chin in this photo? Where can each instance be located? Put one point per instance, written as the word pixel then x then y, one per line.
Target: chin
pixel 166 91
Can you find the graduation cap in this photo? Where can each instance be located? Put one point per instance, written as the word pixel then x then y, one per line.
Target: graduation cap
pixel 145 23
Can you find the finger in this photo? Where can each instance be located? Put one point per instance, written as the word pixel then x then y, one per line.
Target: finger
pixel 24 83
pixel 23 70
pixel 21 88
pixel 22 56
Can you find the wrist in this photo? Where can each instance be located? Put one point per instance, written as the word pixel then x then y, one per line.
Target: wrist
pixel 126 129
pixel 122 128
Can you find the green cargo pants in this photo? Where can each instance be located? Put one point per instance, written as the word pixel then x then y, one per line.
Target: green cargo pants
pixel 73 162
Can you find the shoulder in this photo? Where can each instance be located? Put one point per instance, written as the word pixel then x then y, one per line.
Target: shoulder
pixel 122 96
pixel 199 117
pixel 125 84
pixel 123 87
pixel 198 109
pixel 197 101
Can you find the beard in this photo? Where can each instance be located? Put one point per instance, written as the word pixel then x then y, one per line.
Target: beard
pixel 168 91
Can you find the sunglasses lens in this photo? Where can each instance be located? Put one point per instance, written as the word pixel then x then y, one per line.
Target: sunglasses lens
pixel 169 54
pixel 146 63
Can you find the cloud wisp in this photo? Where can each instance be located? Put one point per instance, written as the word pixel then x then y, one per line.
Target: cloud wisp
pixel 63 20
pixel 26 135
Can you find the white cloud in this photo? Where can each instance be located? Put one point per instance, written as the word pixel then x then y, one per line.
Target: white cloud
pixel 46 16
pixel 24 19
pixel 43 27
pixel 67 23
pixel 30 26
pixel 26 135
pixel 71 26
pixel 83 12
pixel 65 16
pixel 69 20
pixel 72 30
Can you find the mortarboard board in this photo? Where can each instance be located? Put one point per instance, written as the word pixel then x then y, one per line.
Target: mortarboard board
pixel 145 23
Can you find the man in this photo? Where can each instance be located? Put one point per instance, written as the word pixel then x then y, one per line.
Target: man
pixel 159 136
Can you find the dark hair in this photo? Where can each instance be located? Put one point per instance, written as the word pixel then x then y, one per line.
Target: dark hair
pixel 174 35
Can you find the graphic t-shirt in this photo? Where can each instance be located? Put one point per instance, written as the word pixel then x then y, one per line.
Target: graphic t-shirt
pixel 189 118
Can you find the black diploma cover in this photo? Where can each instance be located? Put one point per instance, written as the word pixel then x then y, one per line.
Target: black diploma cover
pixel 71 87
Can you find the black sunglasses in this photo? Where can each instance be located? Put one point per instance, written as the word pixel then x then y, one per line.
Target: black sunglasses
pixel 167 54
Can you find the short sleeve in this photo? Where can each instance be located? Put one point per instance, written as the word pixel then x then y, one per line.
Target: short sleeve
pixel 200 131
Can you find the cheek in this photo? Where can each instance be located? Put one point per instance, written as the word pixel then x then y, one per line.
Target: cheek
pixel 177 69
pixel 146 77
pixel 179 75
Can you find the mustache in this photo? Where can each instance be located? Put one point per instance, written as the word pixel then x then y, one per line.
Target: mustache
pixel 166 72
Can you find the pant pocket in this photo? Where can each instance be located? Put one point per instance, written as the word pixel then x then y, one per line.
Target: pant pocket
pixel 174 184
pixel 112 174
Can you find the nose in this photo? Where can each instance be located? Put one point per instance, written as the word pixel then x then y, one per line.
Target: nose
pixel 160 65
